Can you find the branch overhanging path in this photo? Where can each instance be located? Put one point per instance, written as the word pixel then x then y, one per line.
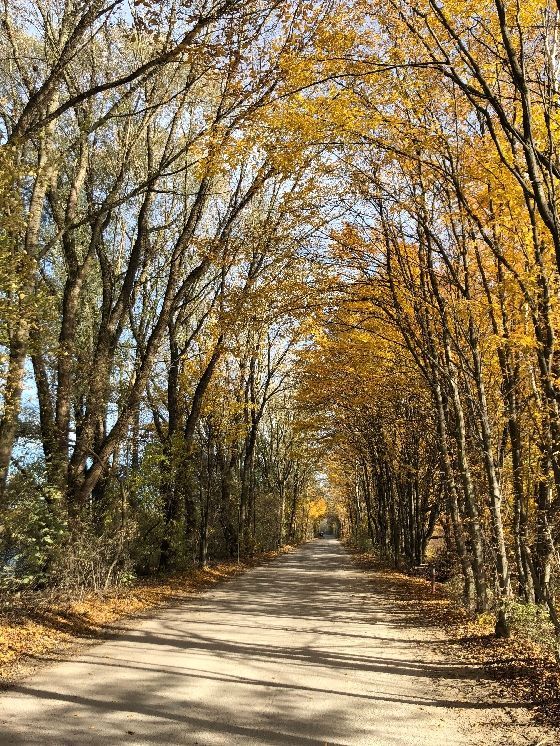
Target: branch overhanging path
pixel 303 650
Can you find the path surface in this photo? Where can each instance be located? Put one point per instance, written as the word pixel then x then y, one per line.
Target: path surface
pixel 300 651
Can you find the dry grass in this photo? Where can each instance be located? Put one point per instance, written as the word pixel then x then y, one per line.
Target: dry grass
pixel 36 626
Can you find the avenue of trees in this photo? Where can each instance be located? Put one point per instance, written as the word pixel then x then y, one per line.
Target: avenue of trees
pixel 154 287
pixel 247 248
pixel 439 364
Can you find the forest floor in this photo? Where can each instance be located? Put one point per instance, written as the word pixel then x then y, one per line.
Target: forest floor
pixel 36 627
pixel 306 649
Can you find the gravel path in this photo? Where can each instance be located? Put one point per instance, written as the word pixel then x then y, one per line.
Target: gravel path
pixel 300 651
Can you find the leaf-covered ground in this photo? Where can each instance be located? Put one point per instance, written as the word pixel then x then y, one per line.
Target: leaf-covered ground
pixel 37 626
pixel 521 668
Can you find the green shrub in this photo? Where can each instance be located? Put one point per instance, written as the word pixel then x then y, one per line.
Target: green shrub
pixel 532 622
pixel 33 530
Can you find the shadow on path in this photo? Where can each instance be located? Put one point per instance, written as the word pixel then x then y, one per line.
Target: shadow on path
pixel 300 651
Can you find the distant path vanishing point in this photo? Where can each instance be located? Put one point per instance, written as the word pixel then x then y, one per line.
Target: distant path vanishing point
pixel 300 651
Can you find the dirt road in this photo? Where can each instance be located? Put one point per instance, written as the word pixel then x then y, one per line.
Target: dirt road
pixel 300 651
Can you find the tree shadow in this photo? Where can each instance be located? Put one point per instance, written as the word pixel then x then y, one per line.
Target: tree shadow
pixel 297 652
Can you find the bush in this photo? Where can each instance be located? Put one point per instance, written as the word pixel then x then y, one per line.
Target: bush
pixel 532 622
pixel 38 549
pixel 90 562
pixel 31 535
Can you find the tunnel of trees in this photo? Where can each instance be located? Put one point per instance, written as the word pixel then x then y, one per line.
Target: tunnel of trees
pixel 267 261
